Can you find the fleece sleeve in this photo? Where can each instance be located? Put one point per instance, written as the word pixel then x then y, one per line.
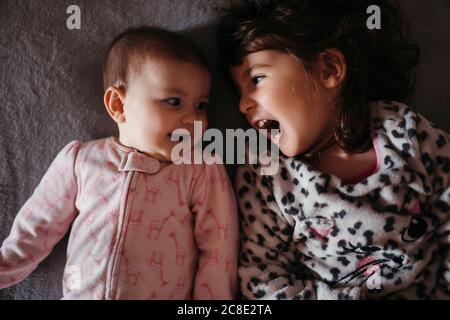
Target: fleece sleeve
pixel 434 148
pixel 216 234
pixel 42 221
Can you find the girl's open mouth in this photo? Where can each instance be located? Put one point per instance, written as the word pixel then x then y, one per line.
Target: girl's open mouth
pixel 271 128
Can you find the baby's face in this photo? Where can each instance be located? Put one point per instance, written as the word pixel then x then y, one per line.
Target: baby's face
pixel 277 93
pixel 161 97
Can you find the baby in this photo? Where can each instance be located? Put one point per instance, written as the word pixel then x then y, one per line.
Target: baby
pixel 142 227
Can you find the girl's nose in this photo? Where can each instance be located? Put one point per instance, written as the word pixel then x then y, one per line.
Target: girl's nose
pixel 246 104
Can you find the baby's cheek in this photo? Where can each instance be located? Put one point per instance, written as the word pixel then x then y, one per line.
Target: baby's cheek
pixel 203 119
pixel 204 123
pixel 162 124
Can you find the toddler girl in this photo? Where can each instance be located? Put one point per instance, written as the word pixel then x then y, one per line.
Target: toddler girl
pixel 360 206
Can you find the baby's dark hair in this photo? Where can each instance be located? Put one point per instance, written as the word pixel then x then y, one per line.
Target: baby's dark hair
pixel 131 48
pixel 380 62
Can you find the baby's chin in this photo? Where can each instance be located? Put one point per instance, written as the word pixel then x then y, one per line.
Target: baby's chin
pixel 179 154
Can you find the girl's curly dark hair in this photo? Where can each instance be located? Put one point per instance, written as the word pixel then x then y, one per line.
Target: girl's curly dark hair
pixel 380 62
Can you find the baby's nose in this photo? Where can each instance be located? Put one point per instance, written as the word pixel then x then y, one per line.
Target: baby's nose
pixel 190 116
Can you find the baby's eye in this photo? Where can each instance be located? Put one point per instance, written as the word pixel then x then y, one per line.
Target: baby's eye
pixel 173 101
pixel 257 79
pixel 203 105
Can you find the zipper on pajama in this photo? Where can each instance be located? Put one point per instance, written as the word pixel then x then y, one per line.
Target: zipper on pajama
pixel 111 285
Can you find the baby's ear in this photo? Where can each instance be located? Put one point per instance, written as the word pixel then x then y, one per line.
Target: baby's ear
pixel 113 100
pixel 332 68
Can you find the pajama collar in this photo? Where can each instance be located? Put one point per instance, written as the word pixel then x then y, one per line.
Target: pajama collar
pixel 133 160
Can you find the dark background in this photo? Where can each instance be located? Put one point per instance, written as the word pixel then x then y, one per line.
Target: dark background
pixel 51 89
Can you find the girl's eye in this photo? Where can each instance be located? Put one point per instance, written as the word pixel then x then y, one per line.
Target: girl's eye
pixel 257 79
pixel 203 105
pixel 173 101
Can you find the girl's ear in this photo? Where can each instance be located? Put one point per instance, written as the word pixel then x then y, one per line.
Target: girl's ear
pixel 332 68
pixel 114 101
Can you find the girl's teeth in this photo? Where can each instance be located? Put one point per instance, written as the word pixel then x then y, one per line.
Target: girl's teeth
pixel 261 123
